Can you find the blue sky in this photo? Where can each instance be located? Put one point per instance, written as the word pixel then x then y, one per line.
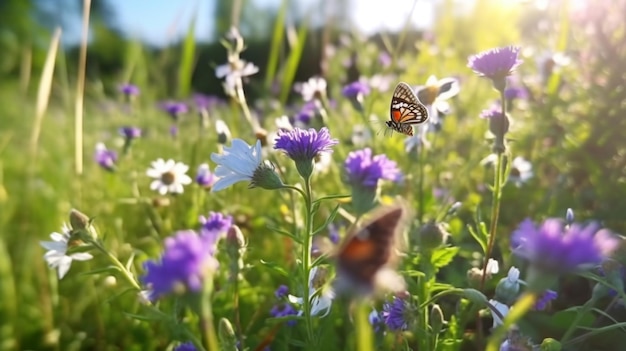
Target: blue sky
pixel 162 21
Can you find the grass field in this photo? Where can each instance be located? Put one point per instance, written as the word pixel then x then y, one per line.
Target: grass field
pixel 464 185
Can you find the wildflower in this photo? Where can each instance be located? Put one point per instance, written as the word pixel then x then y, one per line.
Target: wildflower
pixel 169 176
pixel 569 216
pixel 320 303
pixel 375 320
pixel 303 146
pixel 204 177
pixel 129 90
pixel 283 123
pixel 508 287
pixel 361 135
pixel 215 225
pixel 323 162
pixel 496 64
pixel 313 89
pixel 548 62
pixel 243 162
pixel 233 71
pixel 305 115
pixel 281 292
pixel 222 131
pixel 174 131
pixel 432 235
pixel 187 346
pixel 396 314
pixel 498 122
pixel 227 336
pixel 130 133
pixel 521 171
pixel 500 307
pixel 186 261
pixel 384 59
pixel 554 249
pixel 492 266
pixel 366 171
pixel 105 158
pixel 356 91
pixel 57 256
pixel 205 102
pixel 284 310
pixel 174 109
pixel 543 301
pixel 434 95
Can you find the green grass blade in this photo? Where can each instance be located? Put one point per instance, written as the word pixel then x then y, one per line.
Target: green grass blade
pixel 187 60
pixel 293 61
pixel 275 48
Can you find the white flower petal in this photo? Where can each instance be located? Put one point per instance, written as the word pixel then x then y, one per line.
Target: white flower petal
pixel 64 266
pixel 295 299
pixel 222 70
pixel 155 184
pixel 227 181
pixel 81 256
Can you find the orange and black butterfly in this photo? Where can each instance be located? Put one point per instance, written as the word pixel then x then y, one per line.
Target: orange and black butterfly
pixel 406 110
pixel 367 258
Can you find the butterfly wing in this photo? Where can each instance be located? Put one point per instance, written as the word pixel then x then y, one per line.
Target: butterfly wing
pixel 370 247
pixel 406 107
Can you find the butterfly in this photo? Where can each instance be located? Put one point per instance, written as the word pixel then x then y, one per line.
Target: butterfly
pixel 406 110
pixel 367 258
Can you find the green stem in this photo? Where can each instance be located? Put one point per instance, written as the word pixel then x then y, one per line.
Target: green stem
pixel 241 99
pixel 364 339
pixel 579 314
pixel 206 317
pixel 306 259
pixel 130 278
pixel 420 186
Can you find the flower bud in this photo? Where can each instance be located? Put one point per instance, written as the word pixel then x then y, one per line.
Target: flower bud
pixel 569 216
pixel 223 133
pixel 234 237
pixel 79 220
pixel 432 235
pixel 549 344
pixel 265 177
pixel 508 287
pixel 436 319
pixel 226 335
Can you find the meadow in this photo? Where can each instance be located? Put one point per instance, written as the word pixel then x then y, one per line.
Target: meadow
pixel 285 214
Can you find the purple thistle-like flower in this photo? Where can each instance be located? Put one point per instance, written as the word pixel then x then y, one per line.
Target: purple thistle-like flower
pixel 365 171
pixel 543 301
pixel 130 133
pixel 496 64
pixel 105 158
pixel 186 260
pixel 205 102
pixel 355 89
pixel 174 109
pixel 303 145
pixel 394 314
pixel 512 93
pixel 205 177
pixel 284 310
pixel 129 89
pixel 554 248
pixel 215 225
pixel 188 346
pixel 306 114
pixel 281 292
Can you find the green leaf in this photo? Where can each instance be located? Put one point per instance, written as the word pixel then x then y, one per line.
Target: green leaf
pixel 293 61
pixel 285 233
pixel 481 236
pixel 329 220
pixel 187 61
pixel 332 197
pixel 275 267
pixel 443 256
pixel 276 45
pixel 107 269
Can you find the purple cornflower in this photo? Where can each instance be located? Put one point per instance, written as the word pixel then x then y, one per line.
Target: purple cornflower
pixel 304 145
pixel 281 292
pixel 306 114
pixel 556 249
pixel 394 314
pixel 188 346
pixel 129 89
pixel 186 260
pixel 512 93
pixel 105 158
pixel 496 64
pixel 355 89
pixel 384 59
pixel 284 310
pixel 365 171
pixel 543 301
pixel 130 133
pixel 204 177
pixel 174 109
pixel 375 320
pixel 215 225
pixel 205 102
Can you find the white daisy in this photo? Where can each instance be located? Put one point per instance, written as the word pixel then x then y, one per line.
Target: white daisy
pixel 521 171
pixel 233 71
pixel 222 131
pixel 57 256
pixel 169 176
pixel 314 88
pixel 237 163
pixel 320 303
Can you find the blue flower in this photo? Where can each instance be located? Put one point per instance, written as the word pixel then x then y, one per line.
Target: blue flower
pixel 495 64
pixel 395 314
pixel 129 89
pixel 105 158
pixel 130 133
pixel 281 292
pixel 355 89
pixel 557 249
pixel 215 225
pixel 186 261
pixel 204 177
pixel 284 310
pixel 363 170
pixel 188 346
pixel 174 109
pixel 543 301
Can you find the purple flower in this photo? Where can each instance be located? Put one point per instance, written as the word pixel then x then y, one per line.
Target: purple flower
pixel 174 130
pixel 188 346
pixel 284 310
pixel 306 114
pixel 395 314
pixel 281 292
pixel 130 133
pixel 204 177
pixel 301 145
pixel 129 89
pixel 498 122
pixel 512 93
pixel 384 59
pixel 187 259
pixel 105 158
pixel 215 225
pixel 333 233
pixel 543 301
pixel 205 102
pixel 355 89
pixel 365 171
pixel 174 109
pixel 557 249
pixel 375 320
pixel 496 64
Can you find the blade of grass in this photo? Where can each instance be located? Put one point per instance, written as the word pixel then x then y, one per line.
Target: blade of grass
pixel 80 91
pixel 276 46
pixel 43 94
pixel 187 60
pixel 294 60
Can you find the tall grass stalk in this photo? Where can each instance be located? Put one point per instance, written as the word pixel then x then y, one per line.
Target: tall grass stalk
pixel 80 91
